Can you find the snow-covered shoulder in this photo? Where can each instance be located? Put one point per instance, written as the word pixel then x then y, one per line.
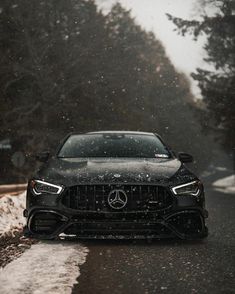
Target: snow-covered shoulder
pixel 225 185
pixel 11 213
pixel 47 267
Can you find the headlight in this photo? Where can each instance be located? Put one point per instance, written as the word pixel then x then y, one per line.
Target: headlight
pixel 40 187
pixel 193 188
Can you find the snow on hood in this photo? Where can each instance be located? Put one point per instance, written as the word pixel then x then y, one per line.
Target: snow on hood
pixel 69 171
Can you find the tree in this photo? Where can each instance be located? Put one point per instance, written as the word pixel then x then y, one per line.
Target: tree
pixel 67 67
pixel 217 86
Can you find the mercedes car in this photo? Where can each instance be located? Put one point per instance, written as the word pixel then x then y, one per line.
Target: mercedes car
pixel 115 184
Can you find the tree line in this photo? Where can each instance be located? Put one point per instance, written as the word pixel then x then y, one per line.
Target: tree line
pixel 217 84
pixel 67 67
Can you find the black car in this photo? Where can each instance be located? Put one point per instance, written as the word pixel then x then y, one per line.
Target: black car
pixel 115 185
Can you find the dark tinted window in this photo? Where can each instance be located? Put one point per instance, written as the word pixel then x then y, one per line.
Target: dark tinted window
pixel 114 145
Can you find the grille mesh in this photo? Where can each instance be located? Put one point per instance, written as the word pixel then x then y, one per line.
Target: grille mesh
pixel 95 197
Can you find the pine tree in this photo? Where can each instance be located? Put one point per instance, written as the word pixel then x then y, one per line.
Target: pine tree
pixel 67 67
pixel 218 85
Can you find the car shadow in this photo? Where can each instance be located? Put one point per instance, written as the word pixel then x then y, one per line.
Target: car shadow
pixel 127 242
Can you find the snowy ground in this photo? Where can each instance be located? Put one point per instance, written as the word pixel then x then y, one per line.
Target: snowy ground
pixel 225 185
pixel 11 213
pixel 46 267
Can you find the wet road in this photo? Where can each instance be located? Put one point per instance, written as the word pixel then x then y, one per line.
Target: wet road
pixel 206 266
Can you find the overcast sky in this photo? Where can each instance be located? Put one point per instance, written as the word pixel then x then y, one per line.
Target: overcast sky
pixel 184 53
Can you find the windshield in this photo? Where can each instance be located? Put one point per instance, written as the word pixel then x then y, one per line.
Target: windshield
pixel 113 145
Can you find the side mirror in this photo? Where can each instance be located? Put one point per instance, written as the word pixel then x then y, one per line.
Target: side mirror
pixel 185 157
pixel 42 156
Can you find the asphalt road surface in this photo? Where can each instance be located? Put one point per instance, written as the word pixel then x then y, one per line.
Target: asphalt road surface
pixel 206 266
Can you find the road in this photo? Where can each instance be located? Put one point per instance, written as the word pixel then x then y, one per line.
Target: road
pixel 115 267
pixel 206 266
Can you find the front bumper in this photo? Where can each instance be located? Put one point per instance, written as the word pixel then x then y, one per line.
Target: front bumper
pixel 48 217
pixel 49 223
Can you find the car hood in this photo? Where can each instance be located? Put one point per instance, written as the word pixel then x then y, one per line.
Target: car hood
pixel 72 171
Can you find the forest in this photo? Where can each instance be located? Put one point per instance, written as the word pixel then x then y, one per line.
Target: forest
pixel 67 67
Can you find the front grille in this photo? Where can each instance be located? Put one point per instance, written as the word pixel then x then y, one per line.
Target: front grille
pixel 95 197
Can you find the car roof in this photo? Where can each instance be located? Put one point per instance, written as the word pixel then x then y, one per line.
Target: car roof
pixel 122 132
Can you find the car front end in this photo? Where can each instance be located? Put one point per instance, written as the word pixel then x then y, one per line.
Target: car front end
pixel 115 185
pixel 142 210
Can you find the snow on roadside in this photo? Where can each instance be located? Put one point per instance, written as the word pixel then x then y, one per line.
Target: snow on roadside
pixel 225 185
pixel 11 213
pixel 48 267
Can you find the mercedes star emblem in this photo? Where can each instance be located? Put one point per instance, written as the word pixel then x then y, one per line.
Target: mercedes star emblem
pixel 117 199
